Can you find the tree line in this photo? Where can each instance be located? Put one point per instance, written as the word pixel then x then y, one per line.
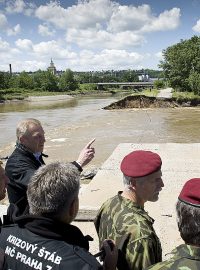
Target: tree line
pixel 68 80
pixel 38 81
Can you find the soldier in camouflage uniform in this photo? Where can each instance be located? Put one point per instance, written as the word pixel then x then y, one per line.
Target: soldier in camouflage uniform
pixel 186 256
pixel 123 218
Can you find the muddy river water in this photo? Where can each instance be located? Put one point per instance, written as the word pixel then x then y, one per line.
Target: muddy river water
pixel 71 124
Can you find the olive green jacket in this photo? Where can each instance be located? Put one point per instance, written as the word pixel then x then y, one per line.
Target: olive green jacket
pixel 132 230
pixel 185 257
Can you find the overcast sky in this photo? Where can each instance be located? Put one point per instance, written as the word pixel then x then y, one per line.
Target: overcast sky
pixel 94 34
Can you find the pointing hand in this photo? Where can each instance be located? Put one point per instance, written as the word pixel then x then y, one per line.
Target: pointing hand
pixel 86 154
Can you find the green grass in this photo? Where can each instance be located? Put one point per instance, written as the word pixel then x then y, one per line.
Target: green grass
pixel 184 95
pixel 20 94
pixel 150 92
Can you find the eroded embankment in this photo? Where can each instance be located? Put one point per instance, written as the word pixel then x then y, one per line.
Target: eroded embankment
pixel 141 101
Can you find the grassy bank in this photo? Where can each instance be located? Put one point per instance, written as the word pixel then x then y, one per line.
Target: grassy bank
pixel 21 94
pixel 185 95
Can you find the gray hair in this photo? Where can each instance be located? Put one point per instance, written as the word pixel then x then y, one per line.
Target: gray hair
pixel 126 180
pixel 52 189
pixel 188 218
pixel 24 125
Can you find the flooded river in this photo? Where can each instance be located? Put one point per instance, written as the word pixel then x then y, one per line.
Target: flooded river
pixel 71 124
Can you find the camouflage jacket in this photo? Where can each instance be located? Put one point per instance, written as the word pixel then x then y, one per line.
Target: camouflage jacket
pixel 184 257
pixel 131 228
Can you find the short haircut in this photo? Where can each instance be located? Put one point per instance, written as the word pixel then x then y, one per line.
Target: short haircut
pixel 24 125
pixel 52 189
pixel 126 180
pixel 188 218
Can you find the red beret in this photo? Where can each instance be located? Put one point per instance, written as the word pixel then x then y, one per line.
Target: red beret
pixel 190 192
pixel 140 163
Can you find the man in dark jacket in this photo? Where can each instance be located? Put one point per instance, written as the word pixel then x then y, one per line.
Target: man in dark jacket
pixel 3 185
pixel 28 157
pixel 45 239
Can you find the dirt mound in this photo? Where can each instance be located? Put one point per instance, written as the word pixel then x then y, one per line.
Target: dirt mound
pixel 141 101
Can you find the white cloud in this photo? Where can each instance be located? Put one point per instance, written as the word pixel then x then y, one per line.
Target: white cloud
pixel 32 65
pixel 196 27
pixel 44 50
pixel 167 20
pixel 63 58
pixel 16 6
pixel 19 66
pixel 7 54
pixel 106 59
pixel 24 44
pixel 130 18
pixel 102 39
pixel 52 48
pixel 86 14
pixel 14 31
pixel 3 21
pixel 19 6
pixel 53 13
pixel 4 45
pixel 4 26
pixel 105 31
pixel 105 24
pixel 44 30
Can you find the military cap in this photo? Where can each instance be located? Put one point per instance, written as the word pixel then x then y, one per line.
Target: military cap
pixel 140 163
pixel 190 193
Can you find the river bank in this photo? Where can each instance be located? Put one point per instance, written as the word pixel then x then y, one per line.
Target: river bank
pixel 37 96
pixel 127 98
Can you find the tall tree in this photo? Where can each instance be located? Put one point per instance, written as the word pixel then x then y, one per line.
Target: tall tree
pixel 45 81
pixel 49 82
pixel 24 80
pixel 67 81
pixel 180 60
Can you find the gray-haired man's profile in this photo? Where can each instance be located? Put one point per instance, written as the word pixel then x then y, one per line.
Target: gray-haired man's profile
pixel 28 155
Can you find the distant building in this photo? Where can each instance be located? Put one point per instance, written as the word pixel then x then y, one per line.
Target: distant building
pixel 144 78
pixel 52 68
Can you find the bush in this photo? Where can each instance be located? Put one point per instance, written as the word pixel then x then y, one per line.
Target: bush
pixel 87 86
pixel 159 84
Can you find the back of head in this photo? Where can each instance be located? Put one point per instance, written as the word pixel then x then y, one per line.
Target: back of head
pixel 24 126
pixel 188 212
pixel 52 189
